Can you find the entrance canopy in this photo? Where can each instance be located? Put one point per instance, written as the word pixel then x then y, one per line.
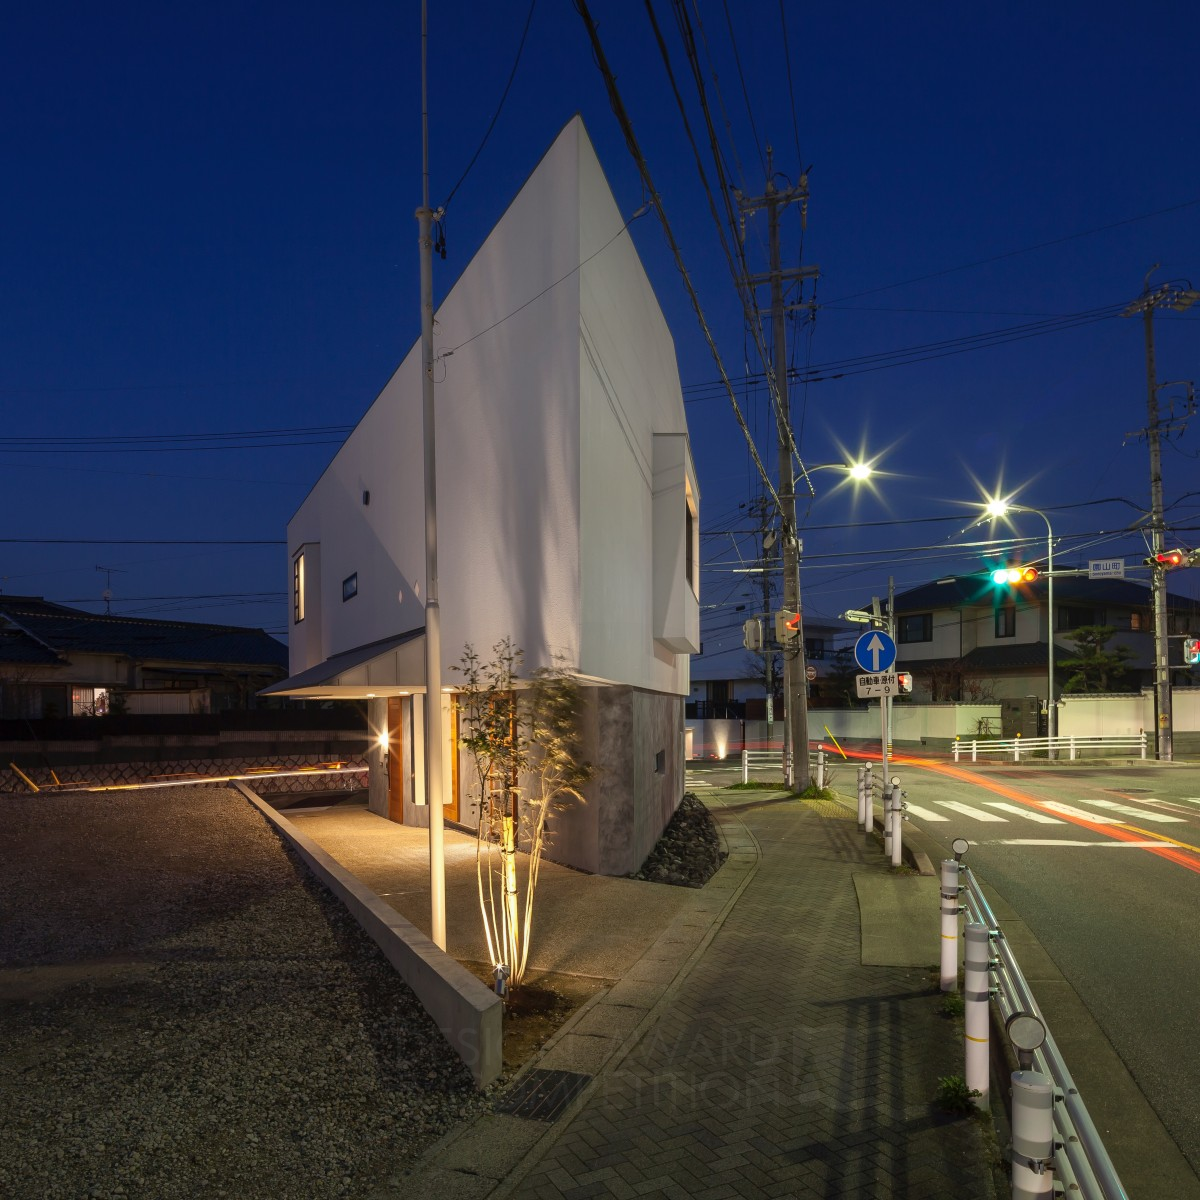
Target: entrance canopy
pixel 394 666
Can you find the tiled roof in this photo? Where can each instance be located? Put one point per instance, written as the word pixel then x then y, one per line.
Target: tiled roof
pixel 63 630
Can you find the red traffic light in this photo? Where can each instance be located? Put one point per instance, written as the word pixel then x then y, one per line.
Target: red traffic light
pixel 1169 558
pixel 1010 575
pixel 904 682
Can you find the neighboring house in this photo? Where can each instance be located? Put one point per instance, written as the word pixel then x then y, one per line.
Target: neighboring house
pixel 567 517
pixel 966 638
pixel 729 681
pixel 57 661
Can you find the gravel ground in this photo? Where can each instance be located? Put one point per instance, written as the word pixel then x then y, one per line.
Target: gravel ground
pixel 184 1012
pixel 689 851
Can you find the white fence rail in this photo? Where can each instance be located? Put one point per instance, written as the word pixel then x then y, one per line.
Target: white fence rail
pixel 1053 747
pixel 1081 1165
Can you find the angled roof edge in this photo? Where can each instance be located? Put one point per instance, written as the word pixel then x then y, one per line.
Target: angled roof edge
pixel 415 344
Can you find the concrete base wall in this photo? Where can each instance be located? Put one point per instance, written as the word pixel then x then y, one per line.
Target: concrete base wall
pixel 634 739
pixel 467 1012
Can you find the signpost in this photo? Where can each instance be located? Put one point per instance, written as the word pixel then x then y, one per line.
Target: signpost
pixel 883 684
pixel 1106 568
pixel 875 651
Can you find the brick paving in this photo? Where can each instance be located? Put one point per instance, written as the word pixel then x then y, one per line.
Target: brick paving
pixel 781 1066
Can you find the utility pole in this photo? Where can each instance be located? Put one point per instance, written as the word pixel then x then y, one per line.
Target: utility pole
pixel 767 540
pixel 433 618
pixel 795 685
pixel 1177 297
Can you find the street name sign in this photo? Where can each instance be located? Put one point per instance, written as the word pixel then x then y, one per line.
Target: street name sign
pixel 874 652
pixel 882 683
pixel 1106 568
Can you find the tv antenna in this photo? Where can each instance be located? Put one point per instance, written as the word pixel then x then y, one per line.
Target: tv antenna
pixel 107 593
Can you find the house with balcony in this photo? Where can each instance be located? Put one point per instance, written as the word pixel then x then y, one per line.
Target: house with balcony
pixel 567 518
pixel 967 638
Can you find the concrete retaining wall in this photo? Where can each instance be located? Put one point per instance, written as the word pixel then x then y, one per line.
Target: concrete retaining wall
pixel 467 1012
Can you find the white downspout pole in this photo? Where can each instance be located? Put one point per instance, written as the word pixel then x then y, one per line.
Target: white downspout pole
pixel 433 620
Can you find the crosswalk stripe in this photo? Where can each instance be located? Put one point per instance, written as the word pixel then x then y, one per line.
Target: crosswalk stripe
pixel 1030 814
pixel 967 811
pixel 1082 814
pixel 925 814
pixel 1140 813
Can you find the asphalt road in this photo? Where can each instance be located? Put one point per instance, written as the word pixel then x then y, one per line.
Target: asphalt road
pixel 1103 864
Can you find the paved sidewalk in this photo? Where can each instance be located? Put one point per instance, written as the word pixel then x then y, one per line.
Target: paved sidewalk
pixel 747 1053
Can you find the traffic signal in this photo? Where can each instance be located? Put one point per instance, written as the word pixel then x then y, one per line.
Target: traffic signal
pixel 1167 559
pixel 1011 575
pixel 787 625
pixel 904 682
pixel 752 637
pixel 1191 651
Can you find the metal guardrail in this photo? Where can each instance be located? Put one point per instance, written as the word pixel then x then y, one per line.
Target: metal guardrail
pixel 1048 745
pixel 1081 1163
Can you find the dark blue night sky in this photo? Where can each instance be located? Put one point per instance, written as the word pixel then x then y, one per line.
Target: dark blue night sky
pixel 208 230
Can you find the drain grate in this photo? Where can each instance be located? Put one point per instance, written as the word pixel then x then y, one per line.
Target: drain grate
pixel 543 1095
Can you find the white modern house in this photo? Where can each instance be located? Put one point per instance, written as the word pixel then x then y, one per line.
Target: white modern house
pixel 567 517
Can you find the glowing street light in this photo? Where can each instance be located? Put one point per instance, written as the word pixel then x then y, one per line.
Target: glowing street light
pixel 1001 508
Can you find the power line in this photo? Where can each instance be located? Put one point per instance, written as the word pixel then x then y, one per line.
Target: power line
pixel 1023 250
pixel 496 115
pixel 618 107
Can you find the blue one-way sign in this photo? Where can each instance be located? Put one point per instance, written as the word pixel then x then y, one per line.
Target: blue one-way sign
pixel 875 651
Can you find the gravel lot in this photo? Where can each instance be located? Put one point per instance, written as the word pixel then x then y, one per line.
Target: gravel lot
pixel 185 1013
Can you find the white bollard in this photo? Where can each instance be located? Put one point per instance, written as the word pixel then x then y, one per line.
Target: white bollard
pixel 976 983
pixel 820 768
pixel 1032 1135
pixel 862 797
pixel 897 821
pixel 887 821
pixel 745 766
pixel 869 780
pixel 950 911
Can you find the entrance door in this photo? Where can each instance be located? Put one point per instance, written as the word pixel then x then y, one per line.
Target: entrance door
pixel 396 756
pixel 450 724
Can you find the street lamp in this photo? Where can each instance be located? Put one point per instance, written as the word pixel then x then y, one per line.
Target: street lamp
pixel 1001 508
pixel 795 682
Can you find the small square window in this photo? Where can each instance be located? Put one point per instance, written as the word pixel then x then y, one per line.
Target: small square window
pixel 916 628
pixel 350 587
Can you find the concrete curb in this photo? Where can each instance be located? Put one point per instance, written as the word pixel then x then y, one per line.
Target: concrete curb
pixel 466 1011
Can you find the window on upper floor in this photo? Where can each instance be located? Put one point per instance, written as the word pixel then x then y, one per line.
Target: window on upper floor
pixel 298 589
pixel 915 627
pixel 814 647
pixel 689 539
pixel 1006 621
pixel 1074 616
pixel 350 587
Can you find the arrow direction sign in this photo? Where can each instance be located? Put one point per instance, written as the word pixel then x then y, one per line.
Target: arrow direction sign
pixel 875 652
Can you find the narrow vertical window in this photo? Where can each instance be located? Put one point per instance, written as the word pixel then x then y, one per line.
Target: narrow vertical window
pixel 298 589
pixel 689 537
pixel 350 587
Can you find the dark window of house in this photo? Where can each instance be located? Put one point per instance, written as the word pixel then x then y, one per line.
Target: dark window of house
pixel 298 589
pixel 915 628
pixel 350 587
pixel 1071 616
pixel 689 537
pixel 660 763
pixel 814 647
pixel 1006 621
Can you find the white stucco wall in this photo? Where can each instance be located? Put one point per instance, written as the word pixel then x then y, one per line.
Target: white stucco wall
pixel 507 455
pixel 629 392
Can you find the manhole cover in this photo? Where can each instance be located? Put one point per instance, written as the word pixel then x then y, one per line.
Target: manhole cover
pixel 543 1095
